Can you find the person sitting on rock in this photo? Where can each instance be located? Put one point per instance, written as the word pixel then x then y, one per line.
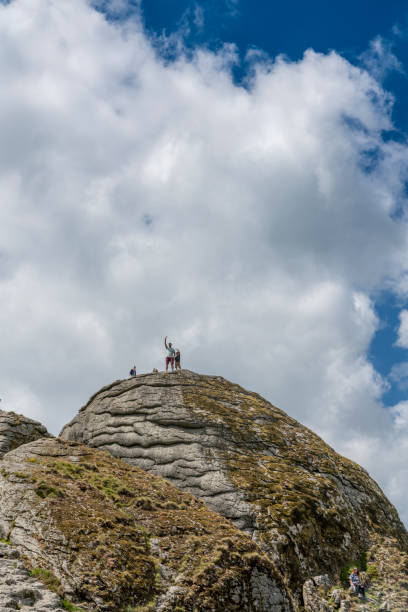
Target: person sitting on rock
pixel 170 354
pixel 133 371
pixel 177 360
pixel 355 583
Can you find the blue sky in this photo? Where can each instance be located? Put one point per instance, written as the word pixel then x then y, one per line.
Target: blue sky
pixel 289 27
pixel 233 178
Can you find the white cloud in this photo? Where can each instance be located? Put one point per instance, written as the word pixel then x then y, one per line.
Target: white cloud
pixel 232 7
pixel 399 375
pixel 142 197
pixel 199 18
pixel 403 330
pixel 379 58
pixel 400 412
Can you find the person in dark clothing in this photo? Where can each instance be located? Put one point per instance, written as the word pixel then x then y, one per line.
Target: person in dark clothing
pixel 133 371
pixel 177 357
pixel 355 583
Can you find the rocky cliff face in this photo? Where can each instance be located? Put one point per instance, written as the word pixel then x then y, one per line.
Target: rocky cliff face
pixel 111 537
pixel 384 575
pixel 16 429
pixel 311 510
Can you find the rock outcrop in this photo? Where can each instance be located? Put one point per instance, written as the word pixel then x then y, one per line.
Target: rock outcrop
pixel 311 510
pixel 112 537
pixel 16 429
pixel 384 575
pixel 19 590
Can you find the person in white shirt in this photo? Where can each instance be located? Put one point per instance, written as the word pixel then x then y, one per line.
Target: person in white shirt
pixel 170 354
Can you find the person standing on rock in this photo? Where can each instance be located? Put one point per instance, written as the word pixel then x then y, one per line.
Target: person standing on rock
pixel 170 354
pixel 133 371
pixel 177 357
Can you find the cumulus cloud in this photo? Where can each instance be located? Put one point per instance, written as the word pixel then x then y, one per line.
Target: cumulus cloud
pixel 402 339
pixel 143 197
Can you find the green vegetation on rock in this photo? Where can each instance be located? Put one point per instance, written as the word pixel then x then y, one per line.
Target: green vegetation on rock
pixel 297 490
pixel 43 489
pixel 48 578
pixel 118 537
pixel 68 605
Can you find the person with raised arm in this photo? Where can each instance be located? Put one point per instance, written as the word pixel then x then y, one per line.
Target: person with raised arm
pixel 170 354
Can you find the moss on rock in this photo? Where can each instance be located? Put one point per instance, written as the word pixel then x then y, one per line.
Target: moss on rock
pixel 314 508
pixel 117 537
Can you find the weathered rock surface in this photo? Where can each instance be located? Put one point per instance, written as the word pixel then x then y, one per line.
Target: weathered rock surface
pixel 315 591
pixel 111 537
pixel 16 429
pixel 384 576
pixel 19 590
pixel 311 509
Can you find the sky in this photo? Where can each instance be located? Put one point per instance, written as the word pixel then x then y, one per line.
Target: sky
pixel 233 178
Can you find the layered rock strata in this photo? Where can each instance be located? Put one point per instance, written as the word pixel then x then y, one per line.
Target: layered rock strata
pixel 16 429
pixel 109 536
pixel 311 509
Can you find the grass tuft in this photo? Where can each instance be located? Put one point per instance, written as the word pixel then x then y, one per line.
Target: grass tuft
pixel 68 605
pixel 47 578
pixel 46 490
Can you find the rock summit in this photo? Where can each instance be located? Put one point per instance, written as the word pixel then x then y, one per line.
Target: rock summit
pixel 308 508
